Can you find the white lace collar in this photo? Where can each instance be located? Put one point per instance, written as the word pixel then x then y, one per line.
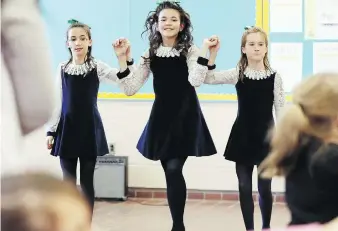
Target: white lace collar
pixel 80 69
pixel 167 52
pixel 257 74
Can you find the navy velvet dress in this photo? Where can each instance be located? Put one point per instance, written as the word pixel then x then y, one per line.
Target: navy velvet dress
pixel 78 129
pixel 257 93
pixel 248 143
pixel 176 126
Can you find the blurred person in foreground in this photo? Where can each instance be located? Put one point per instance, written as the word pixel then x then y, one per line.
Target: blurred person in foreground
pixel 304 149
pixel 27 85
pixel 330 226
pixel 40 202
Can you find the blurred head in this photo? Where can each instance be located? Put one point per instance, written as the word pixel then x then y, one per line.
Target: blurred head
pixel 38 202
pixel 314 112
pixel 254 48
pixel 79 40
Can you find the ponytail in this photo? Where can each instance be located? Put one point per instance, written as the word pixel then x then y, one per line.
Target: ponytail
pixel 284 139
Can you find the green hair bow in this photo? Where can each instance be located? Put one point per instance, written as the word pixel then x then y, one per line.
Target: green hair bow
pixel 248 27
pixel 73 21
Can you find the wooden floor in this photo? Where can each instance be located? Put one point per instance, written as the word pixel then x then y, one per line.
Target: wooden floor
pixel 200 215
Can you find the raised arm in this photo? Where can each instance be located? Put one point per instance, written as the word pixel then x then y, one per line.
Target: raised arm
pixel 197 65
pixel 133 78
pixel 279 94
pixel 229 76
pixel 26 54
pixel 108 74
pixel 214 77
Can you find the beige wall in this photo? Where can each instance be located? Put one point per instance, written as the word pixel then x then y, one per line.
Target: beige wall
pixel 208 173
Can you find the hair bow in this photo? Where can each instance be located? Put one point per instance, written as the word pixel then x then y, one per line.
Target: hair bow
pixel 158 2
pixel 248 27
pixel 73 21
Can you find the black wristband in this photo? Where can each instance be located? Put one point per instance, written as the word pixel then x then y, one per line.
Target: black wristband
pixel 202 61
pixel 129 63
pixel 123 74
pixel 212 67
pixel 51 133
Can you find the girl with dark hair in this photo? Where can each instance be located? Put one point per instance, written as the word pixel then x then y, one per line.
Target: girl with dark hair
pixel 176 128
pixel 259 88
pixel 76 130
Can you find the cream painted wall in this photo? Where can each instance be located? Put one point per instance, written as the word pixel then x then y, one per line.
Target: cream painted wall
pixel 124 122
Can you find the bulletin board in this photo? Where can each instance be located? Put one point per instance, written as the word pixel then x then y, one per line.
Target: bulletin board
pixel 125 18
pixel 303 37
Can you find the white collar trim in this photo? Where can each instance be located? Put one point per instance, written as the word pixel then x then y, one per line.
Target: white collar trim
pixel 80 69
pixel 167 52
pixel 257 74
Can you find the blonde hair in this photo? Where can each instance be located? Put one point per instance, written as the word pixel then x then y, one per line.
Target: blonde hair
pixel 243 61
pixel 39 202
pixel 312 113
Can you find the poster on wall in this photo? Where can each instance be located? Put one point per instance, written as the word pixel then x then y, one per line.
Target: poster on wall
pixel 286 16
pixel 287 60
pixel 321 19
pixel 325 57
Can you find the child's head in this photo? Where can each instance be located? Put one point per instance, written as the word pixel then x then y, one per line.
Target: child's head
pixel 169 22
pixel 79 40
pixel 254 47
pixel 314 112
pixel 38 202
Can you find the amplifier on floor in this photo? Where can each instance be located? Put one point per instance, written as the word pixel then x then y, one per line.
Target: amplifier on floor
pixel 111 177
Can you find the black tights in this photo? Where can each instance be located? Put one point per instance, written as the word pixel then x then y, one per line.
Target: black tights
pixel 176 190
pixel 244 174
pixel 87 167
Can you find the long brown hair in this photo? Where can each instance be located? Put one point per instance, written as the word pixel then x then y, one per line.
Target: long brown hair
pixel 184 39
pixel 243 61
pixel 312 113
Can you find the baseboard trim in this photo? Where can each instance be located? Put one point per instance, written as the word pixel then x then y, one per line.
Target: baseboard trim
pixel 151 193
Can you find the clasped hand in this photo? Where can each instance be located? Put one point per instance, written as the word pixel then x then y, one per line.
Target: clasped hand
pixel 213 43
pixel 121 47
